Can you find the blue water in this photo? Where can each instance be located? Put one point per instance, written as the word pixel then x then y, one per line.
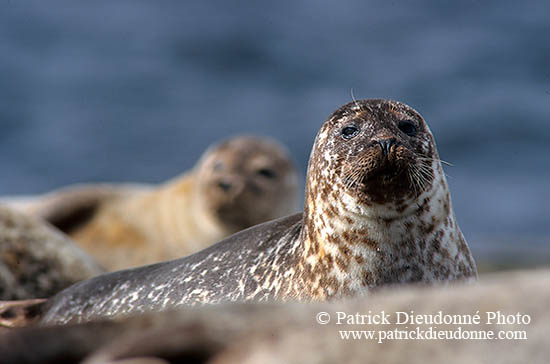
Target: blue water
pixel 132 90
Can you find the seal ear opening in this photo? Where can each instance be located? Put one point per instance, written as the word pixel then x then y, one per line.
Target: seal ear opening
pixel 20 313
pixel 71 221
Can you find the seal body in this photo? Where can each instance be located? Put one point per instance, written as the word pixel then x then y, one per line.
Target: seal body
pixel 236 184
pixel 377 212
pixel 36 260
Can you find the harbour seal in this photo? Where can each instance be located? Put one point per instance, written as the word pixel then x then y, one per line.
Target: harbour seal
pixel 238 183
pixel 377 212
pixel 36 260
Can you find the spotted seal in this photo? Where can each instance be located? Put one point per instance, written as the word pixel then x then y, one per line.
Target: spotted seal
pixel 36 260
pixel 238 183
pixel 377 212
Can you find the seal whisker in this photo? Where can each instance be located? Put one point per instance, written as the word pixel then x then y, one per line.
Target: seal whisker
pixel 437 160
pixel 423 175
pixel 354 100
pixel 353 178
pixel 418 178
pixel 423 180
pixel 411 180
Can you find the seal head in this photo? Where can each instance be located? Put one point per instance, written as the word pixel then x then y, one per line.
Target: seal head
pixel 245 181
pixel 377 153
pixel 376 192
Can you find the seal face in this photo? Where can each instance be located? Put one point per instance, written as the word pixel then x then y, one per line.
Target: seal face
pixel 245 181
pixel 378 155
pixel 377 212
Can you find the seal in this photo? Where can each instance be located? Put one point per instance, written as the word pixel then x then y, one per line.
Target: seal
pixel 377 212
pixel 36 260
pixel 238 183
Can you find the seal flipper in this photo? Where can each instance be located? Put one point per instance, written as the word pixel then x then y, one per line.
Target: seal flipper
pixel 20 313
pixel 70 207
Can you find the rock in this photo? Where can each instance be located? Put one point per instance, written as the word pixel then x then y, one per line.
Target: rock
pixel 290 333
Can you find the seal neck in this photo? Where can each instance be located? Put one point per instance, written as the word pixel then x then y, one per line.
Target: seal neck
pixel 365 246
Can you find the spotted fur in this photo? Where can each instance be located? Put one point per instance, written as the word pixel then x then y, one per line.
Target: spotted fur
pixel 371 218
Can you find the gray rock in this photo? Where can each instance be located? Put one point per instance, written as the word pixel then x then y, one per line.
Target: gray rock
pixel 289 333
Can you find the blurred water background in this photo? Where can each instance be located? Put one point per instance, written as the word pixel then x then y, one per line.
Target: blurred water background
pixel 134 90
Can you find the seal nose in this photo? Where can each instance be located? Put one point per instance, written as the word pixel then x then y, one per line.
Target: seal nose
pixel 386 145
pixel 231 186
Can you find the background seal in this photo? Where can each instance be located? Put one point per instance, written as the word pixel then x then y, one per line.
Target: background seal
pixel 237 183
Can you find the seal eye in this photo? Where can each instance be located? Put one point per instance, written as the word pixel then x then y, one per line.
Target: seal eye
pixel 267 173
pixel 349 132
pixel 407 127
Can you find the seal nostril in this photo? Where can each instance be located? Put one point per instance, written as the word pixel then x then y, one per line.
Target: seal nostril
pixel 266 172
pixel 226 186
pixel 386 145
